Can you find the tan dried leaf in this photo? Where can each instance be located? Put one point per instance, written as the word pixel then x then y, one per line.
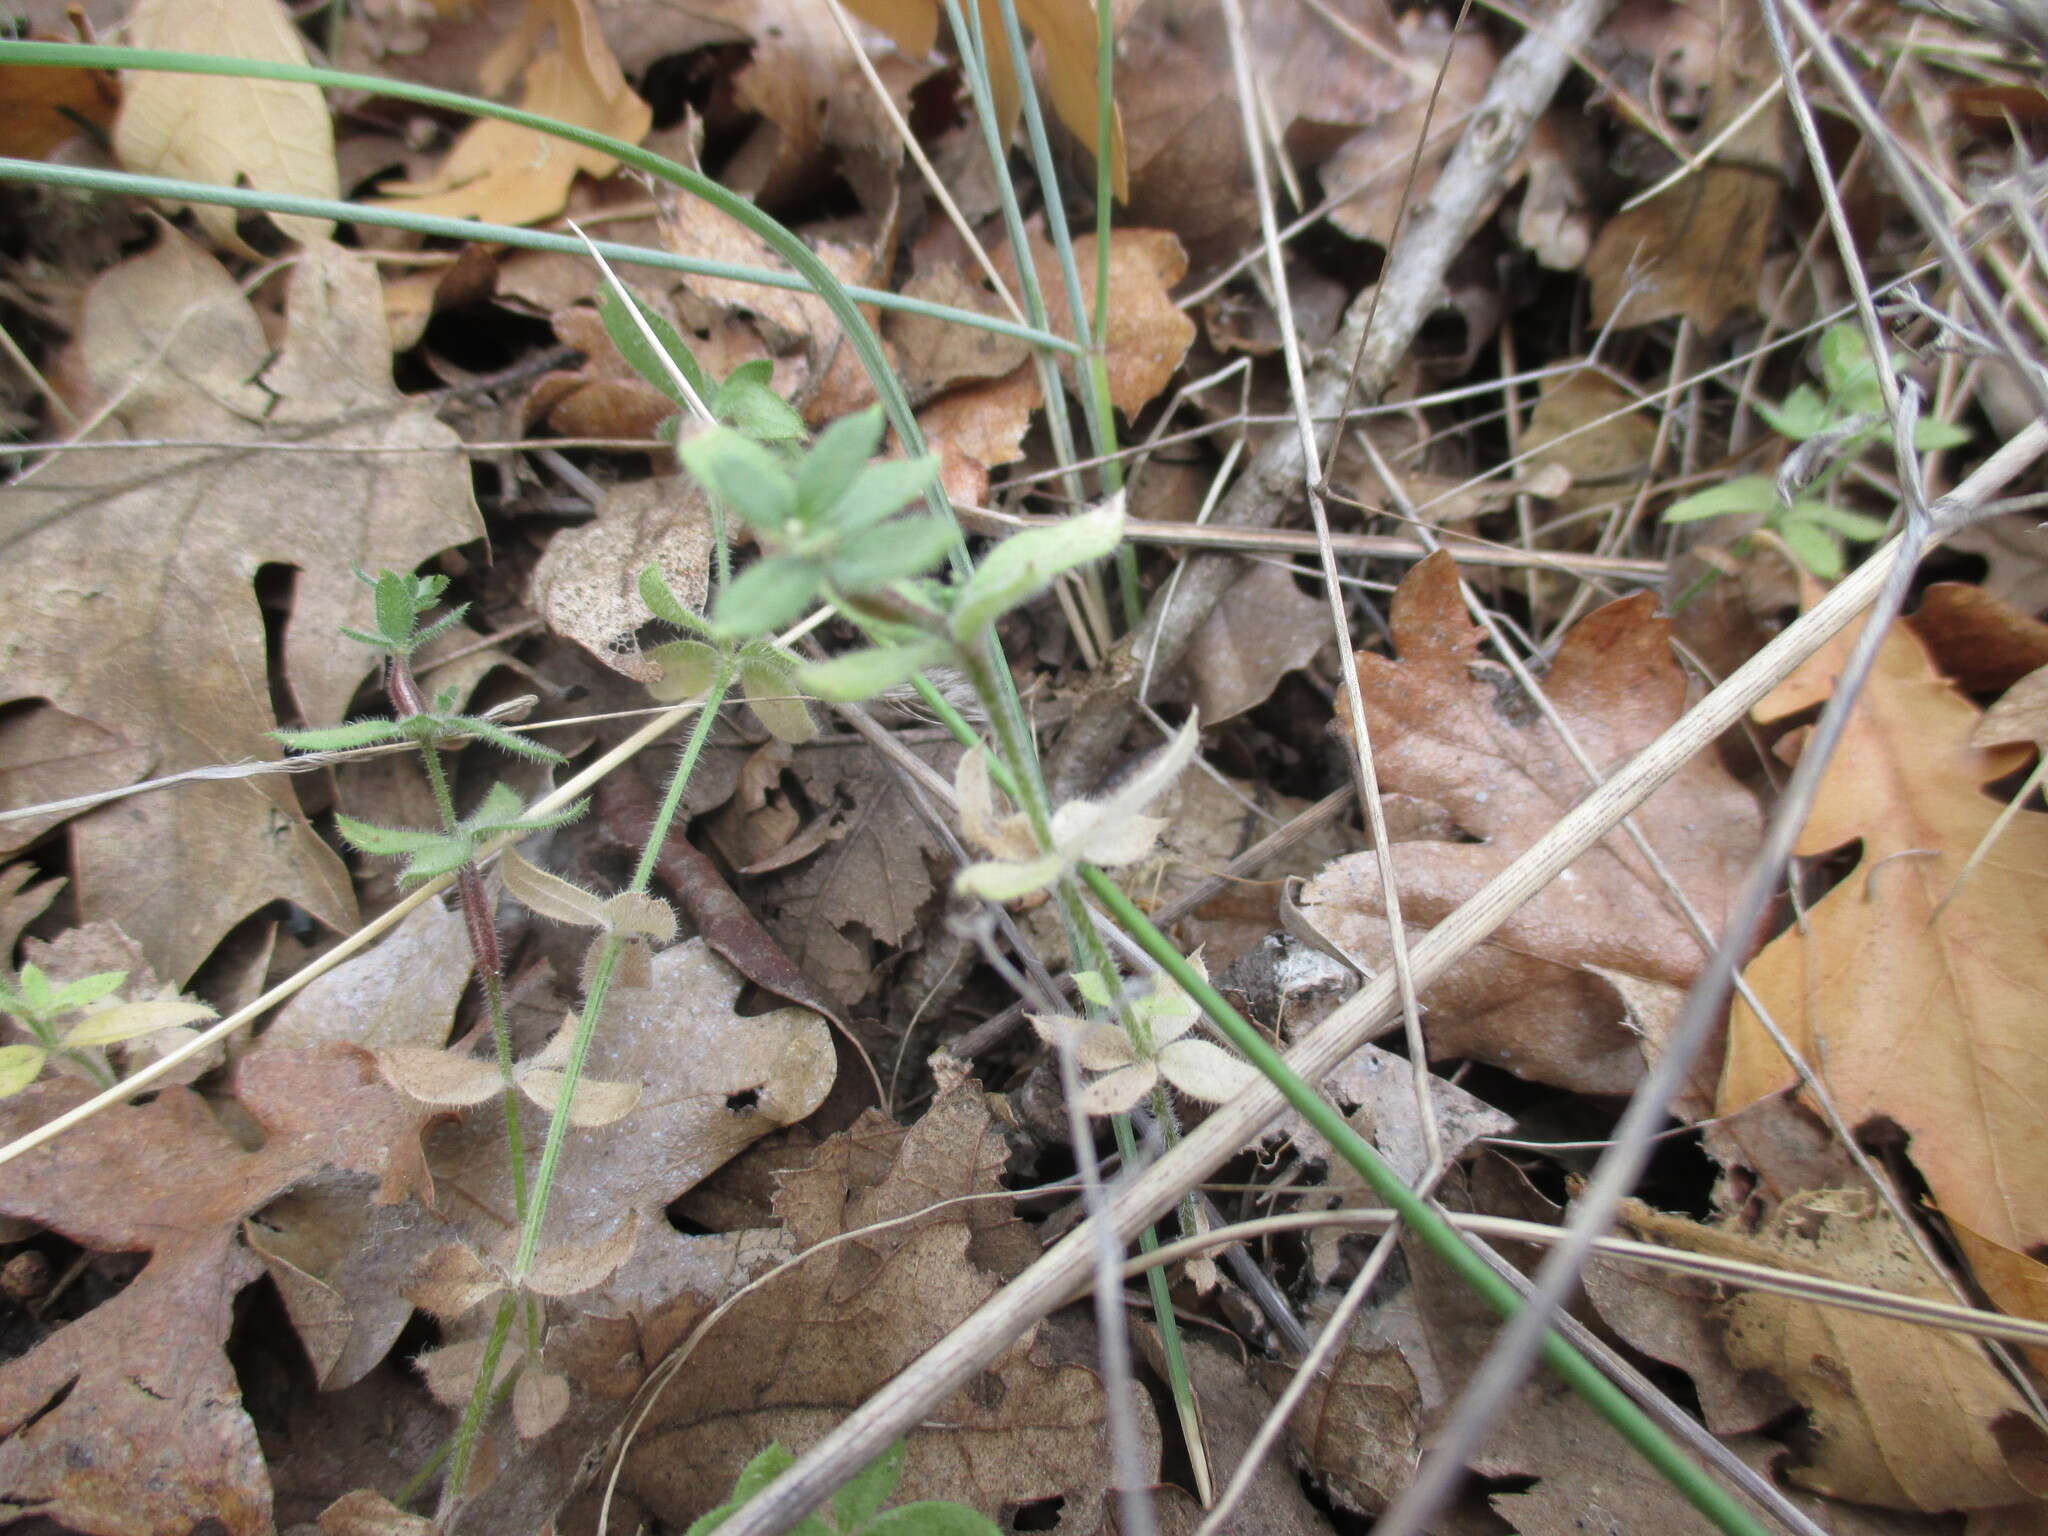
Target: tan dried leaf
pixel 790 1358
pixel 403 991
pixel 570 1271
pixel 512 175
pixel 444 1079
pixel 274 135
pixel 366 1513
pixel 451 1280
pixel 549 895
pixel 1904 1417
pixel 539 1399
pixel 636 915
pixel 451 1371
pixel 596 1102
pixel 712 1083
pixel 1917 1000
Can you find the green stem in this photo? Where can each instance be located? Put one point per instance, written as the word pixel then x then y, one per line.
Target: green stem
pixel 480 1401
pixel 572 1070
pixel 1700 1490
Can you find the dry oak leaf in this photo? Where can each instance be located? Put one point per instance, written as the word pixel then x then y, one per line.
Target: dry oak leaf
pixel 1917 1001
pixel 1977 637
pixel 1902 1416
pixel 1548 996
pixel 134 571
pixel 273 135
pixel 1696 249
pixel 129 1420
pixel 43 108
pixel 790 1359
pixel 1148 333
pixel 511 175
pixel 711 1082
pixel 335 1256
pixel 46 755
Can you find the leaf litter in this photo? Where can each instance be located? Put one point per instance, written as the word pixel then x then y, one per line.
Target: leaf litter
pixel 177 601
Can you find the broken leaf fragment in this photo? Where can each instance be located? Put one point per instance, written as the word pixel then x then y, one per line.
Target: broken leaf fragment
pixel 274 135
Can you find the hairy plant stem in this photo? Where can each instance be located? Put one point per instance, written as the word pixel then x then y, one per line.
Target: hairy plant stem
pixel 601 975
pixel 1016 767
pixel 479 921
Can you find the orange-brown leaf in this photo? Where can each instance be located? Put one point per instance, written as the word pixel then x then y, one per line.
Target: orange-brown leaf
pixel 1911 1011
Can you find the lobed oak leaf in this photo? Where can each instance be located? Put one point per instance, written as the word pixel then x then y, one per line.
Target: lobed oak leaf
pixel 130 1418
pixel 1450 728
pixel 172 653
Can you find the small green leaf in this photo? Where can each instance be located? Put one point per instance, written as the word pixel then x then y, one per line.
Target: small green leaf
pixel 747 402
pixel 881 489
pixel 1930 435
pixel 86 991
pixel 447 854
pixel 1025 564
pixel 767 685
pixel 20 1065
pixel 745 476
pixel 340 738
pixel 662 602
pixel 1753 494
pixel 857 1501
pixel 712 1519
pixel 835 461
pixel 1804 414
pixel 862 674
pixel 773 1460
pixel 687 669
pixel 642 358
pixel 502 739
pixel 1094 988
pixel 903 546
pixel 1815 548
pixel 396 614
pixel 768 594
pixel 1843 357
pixel 498 822
pixel 931 1517
pixel 36 991
pixel 1006 880
pixel 1856 525
pixel 385 841
pixel 364 637
pixel 440 626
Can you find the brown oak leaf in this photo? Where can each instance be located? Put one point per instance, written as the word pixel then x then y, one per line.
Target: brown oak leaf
pixel 129 1420
pixel 1570 990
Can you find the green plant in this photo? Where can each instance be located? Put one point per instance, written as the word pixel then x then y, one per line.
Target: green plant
pixel 75 1023
pixel 905 640
pixel 856 1507
pixel 1838 423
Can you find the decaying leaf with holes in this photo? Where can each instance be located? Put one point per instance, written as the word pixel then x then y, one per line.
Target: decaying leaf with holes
pixel 170 650
pixel 1575 988
pixel 1915 993
pixel 130 1418
pixel 791 1358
